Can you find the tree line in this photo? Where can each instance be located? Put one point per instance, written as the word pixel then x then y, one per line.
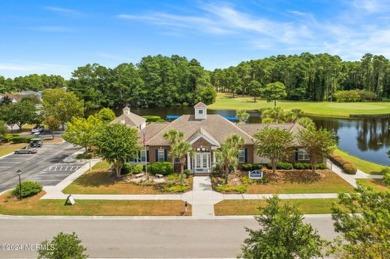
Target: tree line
pixel 307 76
pixel 162 81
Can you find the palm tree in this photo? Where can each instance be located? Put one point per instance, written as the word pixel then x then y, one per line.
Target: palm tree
pixel 243 116
pixel 227 156
pixel 173 136
pixel 181 149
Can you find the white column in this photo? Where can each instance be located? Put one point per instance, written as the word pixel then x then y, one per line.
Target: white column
pixel 188 161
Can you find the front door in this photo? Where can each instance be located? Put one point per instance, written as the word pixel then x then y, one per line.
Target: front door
pixel 202 161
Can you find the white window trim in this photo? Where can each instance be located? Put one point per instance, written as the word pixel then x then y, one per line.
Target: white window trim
pixel 241 156
pixel 302 155
pixel 160 155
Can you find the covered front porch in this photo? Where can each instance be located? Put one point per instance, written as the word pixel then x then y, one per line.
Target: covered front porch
pixel 201 162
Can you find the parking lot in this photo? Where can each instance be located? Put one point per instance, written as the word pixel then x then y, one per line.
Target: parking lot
pixel 46 166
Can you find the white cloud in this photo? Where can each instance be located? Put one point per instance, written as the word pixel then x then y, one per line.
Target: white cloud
pixel 63 11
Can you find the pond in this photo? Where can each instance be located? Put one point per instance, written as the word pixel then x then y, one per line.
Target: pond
pixel 368 139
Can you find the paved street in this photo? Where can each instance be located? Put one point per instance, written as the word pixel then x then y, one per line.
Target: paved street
pixel 45 167
pixel 127 237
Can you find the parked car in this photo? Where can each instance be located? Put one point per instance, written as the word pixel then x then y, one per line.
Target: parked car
pixel 26 150
pixel 36 142
pixel 37 130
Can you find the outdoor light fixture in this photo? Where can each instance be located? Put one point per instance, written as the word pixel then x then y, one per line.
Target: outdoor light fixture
pixel 19 172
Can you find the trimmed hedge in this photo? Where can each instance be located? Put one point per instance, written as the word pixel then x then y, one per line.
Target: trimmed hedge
pixel 7 137
pixel 126 168
pixel 346 166
pixel 152 118
pixel 302 166
pixel 84 156
pixel 28 189
pixel 163 168
pixel 247 167
pixel 21 139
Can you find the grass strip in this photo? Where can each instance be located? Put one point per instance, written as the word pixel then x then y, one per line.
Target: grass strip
pixel 32 206
pixel 250 207
pixel 363 165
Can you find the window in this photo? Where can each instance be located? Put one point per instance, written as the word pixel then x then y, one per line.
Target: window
pixel 241 155
pixel 177 160
pixel 142 156
pixel 200 111
pixel 302 155
pixel 161 155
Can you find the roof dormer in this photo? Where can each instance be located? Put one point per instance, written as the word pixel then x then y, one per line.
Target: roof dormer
pixel 200 111
pixel 126 110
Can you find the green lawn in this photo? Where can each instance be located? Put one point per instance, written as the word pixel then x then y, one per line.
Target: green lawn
pixel 34 206
pixel 250 207
pixel 290 182
pixel 377 184
pixel 363 165
pixel 226 102
pixel 8 148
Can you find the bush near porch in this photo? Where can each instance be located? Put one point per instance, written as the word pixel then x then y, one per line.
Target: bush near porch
pixel 283 181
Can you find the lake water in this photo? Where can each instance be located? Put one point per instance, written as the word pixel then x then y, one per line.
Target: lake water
pixel 368 139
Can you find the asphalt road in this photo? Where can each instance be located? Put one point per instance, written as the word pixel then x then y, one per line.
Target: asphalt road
pixel 121 237
pixel 37 167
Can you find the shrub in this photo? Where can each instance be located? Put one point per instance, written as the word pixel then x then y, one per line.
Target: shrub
pixel 173 177
pixel 127 168
pixel 321 166
pixel 349 168
pixel 21 139
pixel 152 118
pixel 236 189
pixel 256 166
pixel 137 169
pixel 384 171
pixel 386 178
pixel 247 167
pixel 164 168
pixel 28 189
pixel 7 137
pixel 284 165
pixel 187 173
pixel 84 156
pixel 299 165
pixel 172 187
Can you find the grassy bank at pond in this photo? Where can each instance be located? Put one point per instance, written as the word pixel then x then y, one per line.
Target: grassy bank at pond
pixel 363 165
pixel 327 109
pixel 250 207
pixel 34 206
pixel 377 184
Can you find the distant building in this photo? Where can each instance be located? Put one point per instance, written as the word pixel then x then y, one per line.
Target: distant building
pixel 131 119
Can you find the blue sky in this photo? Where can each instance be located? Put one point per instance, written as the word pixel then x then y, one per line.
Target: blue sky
pixel 56 37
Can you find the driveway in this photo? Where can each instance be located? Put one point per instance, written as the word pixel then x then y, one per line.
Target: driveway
pixel 46 166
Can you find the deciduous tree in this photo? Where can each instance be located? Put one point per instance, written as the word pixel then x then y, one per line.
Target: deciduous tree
pixel 52 123
pixel 317 143
pixel 282 234
pixel 363 219
pixel 63 246
pixel 62 105
pixel 273 143
pixel 118 143
pixel 273 91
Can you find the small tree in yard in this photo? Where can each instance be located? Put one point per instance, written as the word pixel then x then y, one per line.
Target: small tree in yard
pixel 317 143
pixel 82 131
pixel 64 246
pixel 227 156
pixel 243 116
pixel 363 219
pixel 52 123
pixel 180 150
pixel 3 128
pixel 117 143
pixel 173 136
pixel 273 143
pixel 282 234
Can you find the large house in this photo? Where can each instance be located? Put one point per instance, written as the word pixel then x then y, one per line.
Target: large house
pixel 206 132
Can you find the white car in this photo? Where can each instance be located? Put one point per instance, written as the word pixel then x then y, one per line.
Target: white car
pixel 37 130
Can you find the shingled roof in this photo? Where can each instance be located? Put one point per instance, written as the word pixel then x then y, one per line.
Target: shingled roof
pixel 215 126
pixel 130 119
